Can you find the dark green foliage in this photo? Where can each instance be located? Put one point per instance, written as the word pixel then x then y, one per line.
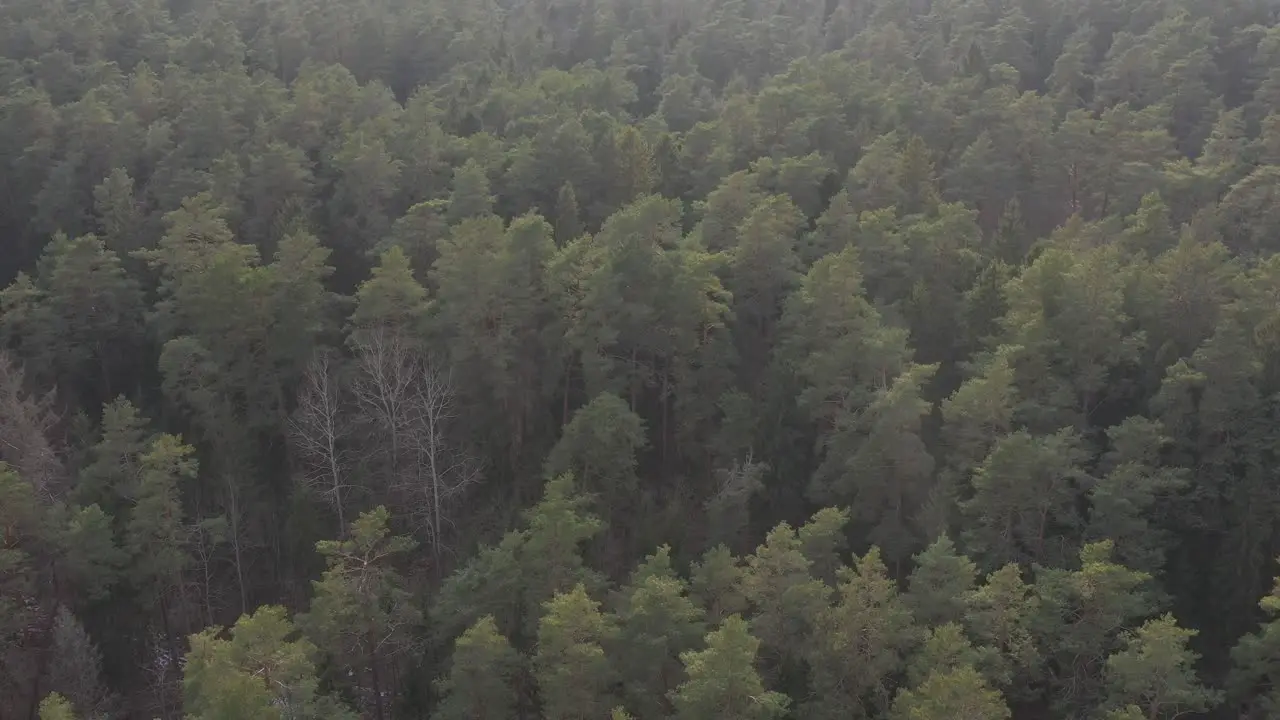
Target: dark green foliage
pixel 673 358
pixel 479 685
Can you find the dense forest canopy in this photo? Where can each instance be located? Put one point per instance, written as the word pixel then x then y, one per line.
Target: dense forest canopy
pixel 691 359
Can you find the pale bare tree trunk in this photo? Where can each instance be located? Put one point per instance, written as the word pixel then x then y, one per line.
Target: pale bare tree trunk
pixel 408 408
pixel 442 471
pixel 26 423
pixel 235 537
pixel 320 430
pixel 384 387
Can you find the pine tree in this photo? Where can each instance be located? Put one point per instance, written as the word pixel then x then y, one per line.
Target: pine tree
pixel 568 221
pixel 723 682
pixel 92 559
pixel 1254 682
pixel 482 675
pixel 75 667
pixel 1079 621
pixel 1156 672
pixel 786 600
pixel 860 643
pixel 960 693
pixel 1024 505
pixel 573 674
pixel 716 583
pixel 947 648
pixel 56 707
pixel 1001 614
pixel 362 615
pixel 120 217
pixel 470 197
pixel 155 534
pixel 512 580
pixel 940 583
pixel 599 448
pixel 657 622
pixel 258 671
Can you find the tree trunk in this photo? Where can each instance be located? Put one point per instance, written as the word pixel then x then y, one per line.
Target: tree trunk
pixel 377 685
pixel 235 544
pixel 666 401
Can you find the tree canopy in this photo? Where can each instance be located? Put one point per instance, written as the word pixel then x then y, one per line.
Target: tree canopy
pixel 650 359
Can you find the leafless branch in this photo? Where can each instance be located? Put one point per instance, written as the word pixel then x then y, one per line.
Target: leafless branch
pixel 387 370
pixel 26 422
pixel 441 471
pixel 320 430
pixel 408 408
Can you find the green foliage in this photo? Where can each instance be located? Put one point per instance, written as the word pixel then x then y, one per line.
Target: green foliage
pixel 91 557
pixel 1080 617
pixel 947 648
pixel 860 643
pixel 492 304
pixel 470 197
pixel 1123 499
pixel 723 682
pixel 1155 672
pixel 598 449
pixel 79 320
pixel 56 707
pixel 155 534
pixel 258 671
pixel 716 581
pixel 570 666
pixel 956 693
pixel 785 598
pixel 1001 615
pixel 938 587
pixel 657 622
pixel 1252 684
pixel 997 273
pixel 479 685
pixel 512 580
pixel 1025 500
pixel 362 613
pixel 391 299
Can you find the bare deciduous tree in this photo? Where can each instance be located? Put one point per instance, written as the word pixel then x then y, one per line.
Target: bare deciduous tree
pixel 441 471
pixel 26 422
pixel 206 537
pixel 407 408
pixel 320 430
pixel 384 387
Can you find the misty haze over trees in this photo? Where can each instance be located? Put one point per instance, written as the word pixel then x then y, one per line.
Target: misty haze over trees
pixel 648 359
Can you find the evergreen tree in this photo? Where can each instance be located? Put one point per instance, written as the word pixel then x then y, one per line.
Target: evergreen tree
pixel 362 615
pixel 860 643
pixel 958 693
pixel 568 219
pixel 75 668
pixel 480 683
pixel 470 197
pixel 1155 672
pixel 1001 614
pixel 1024 505
pixel 723 682
pixel 940 584
pixel 258 671
pixel 1080 617
pixel 572 671
pixel 785 598
pixel 56 707
pixel 657 622
pixel 1254 682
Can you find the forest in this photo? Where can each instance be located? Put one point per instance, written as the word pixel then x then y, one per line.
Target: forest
pixel 639 359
